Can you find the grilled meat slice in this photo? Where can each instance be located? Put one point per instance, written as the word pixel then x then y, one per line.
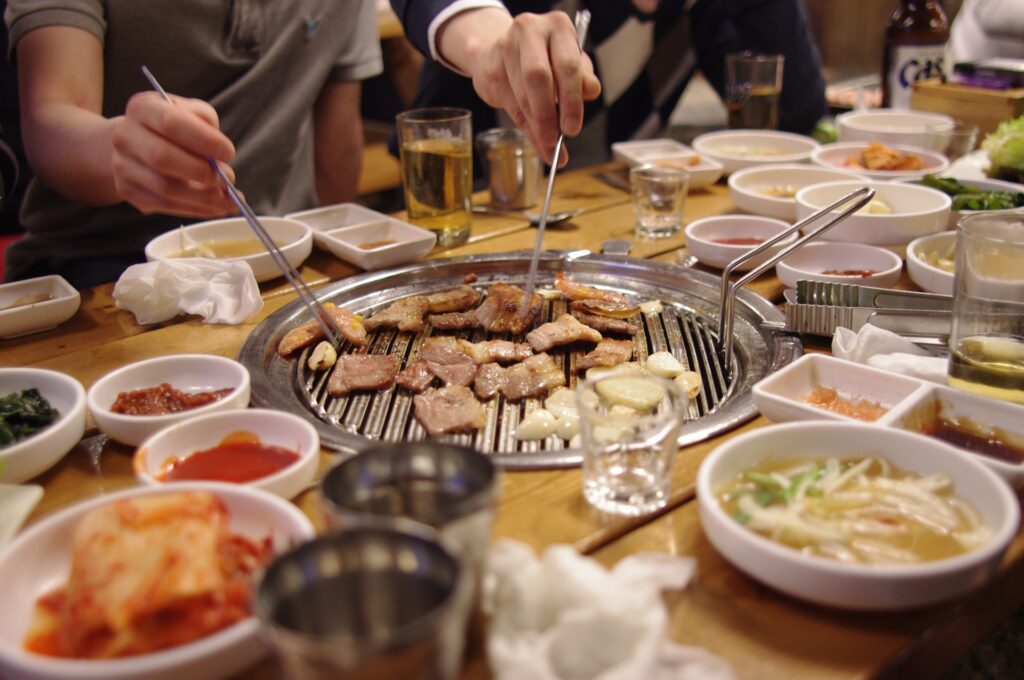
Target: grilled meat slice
pixel 454 300
pixel 578 291
pixel 443 349
pixel 607 353
pixel 606 324
pixel 449 409
pixel 454 321
pixel 347 323
pixel 405 315
pixel 616 310
pixel 534 377
pixel 500 312
pixel 501 351
pixel 415 377
pixel 454 374
pixel 362 372
pixel 562 331
pixel 490 378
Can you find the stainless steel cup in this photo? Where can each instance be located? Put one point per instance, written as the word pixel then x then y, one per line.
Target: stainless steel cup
pixel 514 172
pixel 368 603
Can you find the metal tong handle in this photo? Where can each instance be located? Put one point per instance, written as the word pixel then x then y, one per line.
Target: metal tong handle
pixel 861 197
pixel 582 24
pixel 305 294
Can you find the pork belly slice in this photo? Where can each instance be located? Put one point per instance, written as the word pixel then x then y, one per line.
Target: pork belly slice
pixel 500 351
pixel 446 359
pixel 564 330
pixel 449 409
pixel 606 324
pixel 454 374
pixel 500 312
pixel 347 323
pixel 454 321
pixel 415 377
pixel 615 310
pixel 362 372
pixel 454 300
pixel 490 378
pixel 406 315
pixel 534 377
pixel 607 353
pixel 578 291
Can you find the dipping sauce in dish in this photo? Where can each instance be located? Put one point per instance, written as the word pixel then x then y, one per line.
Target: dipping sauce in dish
pixel 739 241
pixel 829 399
pixel 26 300
pixel 240 457
pixel 370 245
pixel 163 399
pixel 862 273
pixel 965 434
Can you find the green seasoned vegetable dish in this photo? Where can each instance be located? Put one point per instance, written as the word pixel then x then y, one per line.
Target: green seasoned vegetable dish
pixel 967 197
pixel 22 414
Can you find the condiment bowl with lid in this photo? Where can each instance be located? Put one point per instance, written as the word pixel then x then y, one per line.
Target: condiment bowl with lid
pixel 716 241
pixel 271 450
pixel 854 584
pixel 841 263
pixel 930 262
pixel 188 373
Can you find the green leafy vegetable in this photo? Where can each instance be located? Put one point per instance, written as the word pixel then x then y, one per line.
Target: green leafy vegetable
pixel 968 197
pixel 22 414
pixel 1005 149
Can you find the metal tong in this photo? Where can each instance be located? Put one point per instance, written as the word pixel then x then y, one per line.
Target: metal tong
pixel 859 198
pixel 305 294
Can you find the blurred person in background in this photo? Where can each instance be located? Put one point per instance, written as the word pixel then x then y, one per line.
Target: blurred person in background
pixel 986 29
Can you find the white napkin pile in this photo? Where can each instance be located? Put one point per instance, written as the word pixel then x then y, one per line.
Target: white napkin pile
pixel 220 292
pixel 565 617
pixel 888 351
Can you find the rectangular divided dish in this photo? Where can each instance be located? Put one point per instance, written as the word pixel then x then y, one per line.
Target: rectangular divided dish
pixel 35 305
pixel 703 171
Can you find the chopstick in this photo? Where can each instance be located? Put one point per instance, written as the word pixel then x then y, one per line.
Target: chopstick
pixel 290 272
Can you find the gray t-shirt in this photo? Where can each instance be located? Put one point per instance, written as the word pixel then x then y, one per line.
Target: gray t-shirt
pixel 260 63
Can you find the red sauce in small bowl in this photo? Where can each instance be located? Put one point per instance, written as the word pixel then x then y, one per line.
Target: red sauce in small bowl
pixel 240 457
pixel 739 241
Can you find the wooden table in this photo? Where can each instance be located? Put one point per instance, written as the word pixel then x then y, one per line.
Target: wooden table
pixel 762 633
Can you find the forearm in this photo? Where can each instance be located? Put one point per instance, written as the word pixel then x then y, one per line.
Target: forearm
pixel 338 143
pixel 462 39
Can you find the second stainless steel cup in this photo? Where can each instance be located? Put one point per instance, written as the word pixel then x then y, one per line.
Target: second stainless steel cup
pixel 512 167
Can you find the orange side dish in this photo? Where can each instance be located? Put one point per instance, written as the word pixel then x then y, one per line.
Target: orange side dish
pixel 164 399
pixel 240 457
pixel 830 400
pixel 877 156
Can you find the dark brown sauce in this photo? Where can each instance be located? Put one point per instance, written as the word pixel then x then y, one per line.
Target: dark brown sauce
pixel 963 433
pixel 370 245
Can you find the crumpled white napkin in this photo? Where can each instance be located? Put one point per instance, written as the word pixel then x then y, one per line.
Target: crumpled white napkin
pixel 888 351
pixel 565 617
pixel 220 292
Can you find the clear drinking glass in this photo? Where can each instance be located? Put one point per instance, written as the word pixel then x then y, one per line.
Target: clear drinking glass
pixel 435 146
pixel 753 85
pixel 629 425
pixel 962 140
pixel 513 169
pixel 659 193
pixel 987 338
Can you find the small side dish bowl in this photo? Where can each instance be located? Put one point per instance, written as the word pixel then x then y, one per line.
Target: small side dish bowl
pixel 860 264
pixel 922 129
pixel 293 238
pixel 923 253
pixel 702 171
pixel 205 432
pixel 853 585
pixel 770 190
pixel 41 451
pixel 738 149
pixel 704 236
pixel 185 372
pixel 916 211
pixel 35 305
pixel 838 155
pixel 40 559
pixel 983 185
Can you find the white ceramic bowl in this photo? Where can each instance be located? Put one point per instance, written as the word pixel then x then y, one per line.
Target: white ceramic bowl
pixel 812 261
pixel 896 126
pixel 983 185
pixel 746 187
pixel 294 239
pixel 40 559
pixel 738 149
pixel 274 428
pixel 924 274
pixel 855 586
pixel 836 155
pixel 700 235
pixel 916 211
pixel 185 372
pixel 41 451
pixel 59 302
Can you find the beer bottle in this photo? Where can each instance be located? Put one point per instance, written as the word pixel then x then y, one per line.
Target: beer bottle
pixel 915 39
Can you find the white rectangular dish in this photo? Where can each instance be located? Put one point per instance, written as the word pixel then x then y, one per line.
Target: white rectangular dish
pixel 703 171
pixel 364 237
pixel 35 305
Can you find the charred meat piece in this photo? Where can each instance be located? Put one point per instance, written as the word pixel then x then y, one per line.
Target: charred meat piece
pixel 578 291
pixel 501 351
pixel 454 321
pixel 607 353
pixel 500 312
pixel 454 374
pixel 405 315
pixel 490 378
pixel 415 377
pixel 449 409
pixel 347 323
pixel 606 324
pixel 615 310
pixel 362 372
pixel 443 349
pixel 454 300
pixel 534 377
pixel 562 331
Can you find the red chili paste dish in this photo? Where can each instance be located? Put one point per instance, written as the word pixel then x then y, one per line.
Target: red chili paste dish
pixel 240 457
pixel 163 399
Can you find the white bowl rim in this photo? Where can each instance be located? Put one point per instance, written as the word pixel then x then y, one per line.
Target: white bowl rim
pixel 941 166
pixel 76 411
pixel 307 235
pixel 692 227
pixel 700 144
pixel 895 260
pixel 947 202
pixel 1001 535
pixel 163 659
pixel 847 116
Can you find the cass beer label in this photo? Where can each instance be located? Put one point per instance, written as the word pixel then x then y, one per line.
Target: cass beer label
pixel 908 64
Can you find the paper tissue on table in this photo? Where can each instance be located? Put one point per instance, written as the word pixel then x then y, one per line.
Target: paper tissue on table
pixel 565 616
pixel 220 292
pixel 888 351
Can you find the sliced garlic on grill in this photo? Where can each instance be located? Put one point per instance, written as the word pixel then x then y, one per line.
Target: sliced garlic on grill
pixel 690 382
pixel 561 403
pixel 628 368
pixel 634 392
pixel 539 424
pixel 664 364
pixel 322 357
pixel 568 425
pixel 651 307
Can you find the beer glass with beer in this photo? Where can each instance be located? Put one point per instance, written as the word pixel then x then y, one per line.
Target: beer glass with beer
pixel 435 146
pixel 753 86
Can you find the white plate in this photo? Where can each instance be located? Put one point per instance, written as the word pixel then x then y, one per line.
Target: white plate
pixel 343 228
pixel 62 303
pixel 970 166
pixel 16 503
